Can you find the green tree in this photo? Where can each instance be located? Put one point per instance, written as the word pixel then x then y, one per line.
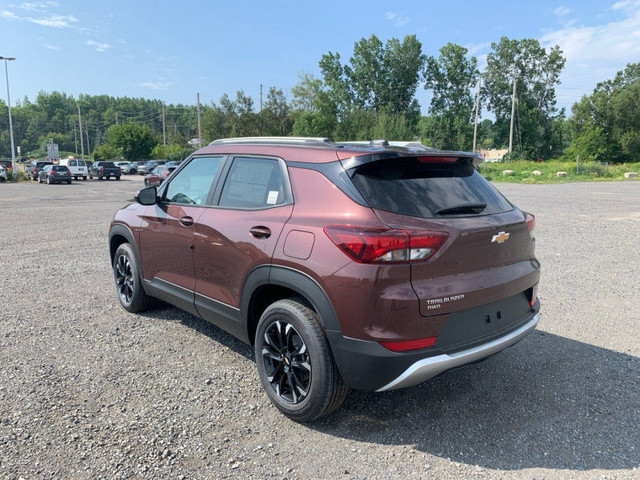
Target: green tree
pixel 135 140
pixel 606 124
pixel 536 72
pixel 450 76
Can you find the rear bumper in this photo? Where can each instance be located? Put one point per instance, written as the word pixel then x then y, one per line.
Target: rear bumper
pixel 367 365
pixel 430 367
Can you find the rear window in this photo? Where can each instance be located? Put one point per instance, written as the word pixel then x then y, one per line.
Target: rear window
pixel 60 168
pixel 423 189
pixel 107 164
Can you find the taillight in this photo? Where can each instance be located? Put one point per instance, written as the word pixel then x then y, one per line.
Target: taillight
pixel 409 344
pixel 101 169
pixel 381 245
pixel 51 173
pixel 531 222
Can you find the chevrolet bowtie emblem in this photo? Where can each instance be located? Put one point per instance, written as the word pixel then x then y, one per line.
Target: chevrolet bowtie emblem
pixel 501 237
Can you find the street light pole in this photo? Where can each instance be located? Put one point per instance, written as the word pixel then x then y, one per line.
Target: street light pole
pixel 13 146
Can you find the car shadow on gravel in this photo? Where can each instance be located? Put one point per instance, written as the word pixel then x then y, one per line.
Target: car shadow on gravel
pixel 548 402
pixel 164 311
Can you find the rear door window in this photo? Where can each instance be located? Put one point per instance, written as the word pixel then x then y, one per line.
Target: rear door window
pixel 253 183
pixel 412 187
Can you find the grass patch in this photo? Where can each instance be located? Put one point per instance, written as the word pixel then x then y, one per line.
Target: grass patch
pixel 588 171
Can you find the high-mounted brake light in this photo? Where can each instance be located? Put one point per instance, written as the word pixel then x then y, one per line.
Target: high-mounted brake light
pixel 380 245
pixel 409 344
pixel 438 159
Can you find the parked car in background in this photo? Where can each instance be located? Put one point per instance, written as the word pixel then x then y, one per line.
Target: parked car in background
pixel 131 169
pixel 34 168
pixel 173 163
pixel 3 174
pixel 78 168
pixel 158 175
pixel 373 267
pixel 54 174
pixel 8 166
pixel 147 167
pixel 123 165
pixel 105 170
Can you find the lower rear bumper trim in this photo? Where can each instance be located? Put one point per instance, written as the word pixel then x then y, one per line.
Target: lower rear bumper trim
pixel 430 367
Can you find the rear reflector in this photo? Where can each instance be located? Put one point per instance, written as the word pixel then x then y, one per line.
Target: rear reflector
pixel 409 344
pixel 380 245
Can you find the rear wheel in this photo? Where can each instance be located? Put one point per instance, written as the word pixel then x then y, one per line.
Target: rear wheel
pixel 295 364
pixel 69 182
pixel 48 180
pixel 84 177
pixel 128 280
pixel 117 178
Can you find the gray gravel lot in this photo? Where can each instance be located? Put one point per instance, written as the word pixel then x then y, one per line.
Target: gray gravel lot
pixel 88 390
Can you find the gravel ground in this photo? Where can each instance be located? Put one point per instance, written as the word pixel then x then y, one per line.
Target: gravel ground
pixel 88 390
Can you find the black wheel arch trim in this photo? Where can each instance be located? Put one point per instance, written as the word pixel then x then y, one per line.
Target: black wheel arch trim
pixel 124 231
pixel 294 280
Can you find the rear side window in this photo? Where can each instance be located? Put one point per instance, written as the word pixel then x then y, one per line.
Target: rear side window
pixel 81 163
pixel 72 163
pixel 253 183
pixel 426 189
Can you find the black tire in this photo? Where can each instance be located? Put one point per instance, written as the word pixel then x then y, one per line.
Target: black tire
pixel 117 178
pixel 295 363
pixel 146 182
pixel 68 182
pixel 84 177
pixel 48 180
pixel 99 177
pixel 90 177
pixel 126 274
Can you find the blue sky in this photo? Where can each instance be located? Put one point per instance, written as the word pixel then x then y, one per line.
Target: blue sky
pixel 171 50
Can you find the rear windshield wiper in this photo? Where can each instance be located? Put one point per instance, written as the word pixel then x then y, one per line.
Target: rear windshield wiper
pixel 464 208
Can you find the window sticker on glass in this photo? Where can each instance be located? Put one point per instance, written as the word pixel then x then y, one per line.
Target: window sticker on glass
pixel 272 199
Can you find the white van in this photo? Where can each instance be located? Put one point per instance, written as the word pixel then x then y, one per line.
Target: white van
pixel 77 167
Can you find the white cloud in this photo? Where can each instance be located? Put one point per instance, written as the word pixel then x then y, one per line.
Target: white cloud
pixel 157 85
pixel 99 46
pixel 50 47
pixel 55 21
pixel 561 11
pixel 596 53
pixel 8 14
pixel 398 19
pixel 37 6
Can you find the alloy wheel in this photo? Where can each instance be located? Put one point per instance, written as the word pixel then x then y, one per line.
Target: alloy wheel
pixel 124 279
pixel 286 361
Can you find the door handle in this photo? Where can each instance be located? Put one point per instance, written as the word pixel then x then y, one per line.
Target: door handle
pixel 260 232
pixel 186 221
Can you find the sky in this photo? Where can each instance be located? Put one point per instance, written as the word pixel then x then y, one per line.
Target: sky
pixel 172 50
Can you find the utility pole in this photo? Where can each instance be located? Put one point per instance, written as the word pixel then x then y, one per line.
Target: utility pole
pixel 81 142
pixel 164 131
pixel 75 137
pixel 513 111
pixel 116 118
pixel 199 129
pixel 88 148
pixel 13 145
pixel 260 109
pixel 475 124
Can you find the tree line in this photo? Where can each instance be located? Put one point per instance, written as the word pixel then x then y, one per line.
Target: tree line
pixel 370 95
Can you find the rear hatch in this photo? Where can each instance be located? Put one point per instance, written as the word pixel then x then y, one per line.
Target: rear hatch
pixel 488 252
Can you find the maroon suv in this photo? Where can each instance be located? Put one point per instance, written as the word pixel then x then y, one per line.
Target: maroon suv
pixel 347 265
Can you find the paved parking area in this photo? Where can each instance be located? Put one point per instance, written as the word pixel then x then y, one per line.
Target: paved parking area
pixel 88 390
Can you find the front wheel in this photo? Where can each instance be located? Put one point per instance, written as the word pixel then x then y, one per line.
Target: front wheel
pixel 132 296
pixel 295 363
pixel 117 178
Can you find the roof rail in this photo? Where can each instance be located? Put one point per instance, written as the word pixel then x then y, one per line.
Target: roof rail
pixel 277 140
pixel 413 145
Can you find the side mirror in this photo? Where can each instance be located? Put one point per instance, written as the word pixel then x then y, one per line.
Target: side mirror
pixel 147 196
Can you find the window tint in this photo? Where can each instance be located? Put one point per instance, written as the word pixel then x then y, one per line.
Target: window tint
pixel 422 189
pixel 253 183
pixel 72 163
pixel 81 163
pixel 193 183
